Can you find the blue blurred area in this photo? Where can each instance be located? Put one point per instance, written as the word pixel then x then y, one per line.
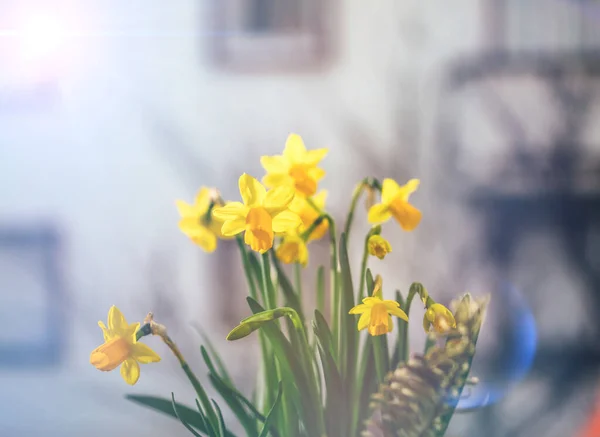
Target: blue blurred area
pixel 111 110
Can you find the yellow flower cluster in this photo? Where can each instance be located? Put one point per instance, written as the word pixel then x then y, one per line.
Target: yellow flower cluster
pixel 286 204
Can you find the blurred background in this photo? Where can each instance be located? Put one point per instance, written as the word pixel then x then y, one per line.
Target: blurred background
pixel 110 110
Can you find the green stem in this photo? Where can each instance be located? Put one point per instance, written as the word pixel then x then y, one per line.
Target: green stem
pixel 367 182
pixel 380 360
pixel 298 278
pixel 308 232
pixel 268 289
pixel 144 330
pixel 402 341
pixel 321 289
pixel 210 413
pixel 417 288
pixel 335 289
pixel 363 265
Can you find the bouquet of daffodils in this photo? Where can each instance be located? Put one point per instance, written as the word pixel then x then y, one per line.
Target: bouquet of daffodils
pixel 320 376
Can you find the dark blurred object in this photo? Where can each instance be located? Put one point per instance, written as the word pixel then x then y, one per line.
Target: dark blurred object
pixel 525 185
pixel 271 36
pixel 546 25
pixel 32 308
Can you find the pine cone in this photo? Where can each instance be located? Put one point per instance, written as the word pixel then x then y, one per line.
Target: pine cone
pixel 419 397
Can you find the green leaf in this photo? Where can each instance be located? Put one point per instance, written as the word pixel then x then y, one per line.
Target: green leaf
pixel 400 354
pixel 324 334
pixel 321 289
pixel 381 354
pixel 291 363
pixel 222 427
pixel 370 282
pixel 165 406
pixel 175 410
pixel 349 334
pixel 234 404
pixel 336 399
pixel 290 296
pixel 268 287
pixel 247 267
pixel 223 373
pixel 207 425
pixel 267 424
pixel 367 385
pixel 229 397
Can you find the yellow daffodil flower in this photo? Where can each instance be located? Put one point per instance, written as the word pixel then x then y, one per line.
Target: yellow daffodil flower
pixel 262 215
pixel 378 246
pixel 308 214
pixel 297 167
pixel 376 313
pixel 293 249
pixel 196 222
pixel 440 317
pixel 121 348
pixel 394 203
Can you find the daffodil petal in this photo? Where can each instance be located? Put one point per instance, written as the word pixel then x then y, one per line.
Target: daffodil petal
pixel 202 201
pixel 359 309
pixel 116 321
pixel 274 164
pixel 142 353
pixel 313 157
pixel 130 371
pixel 233 227
pixel 231 211
pixel 286 221
pixel 389 190
pixel 364 320
pixel 204 238
pixel 105 331
pixel 278 199
pixel 316 173
pixel 294 148
pixel 252 191
pixel 130 332
pixel 184 208
pixel 303 255
pixel 426 324
pixel 188 224
pixel 320 198
pixel 406 215
pixel 379 213
pixel 395 311
pixel 409 188
pixel 277 179
pixel 370 301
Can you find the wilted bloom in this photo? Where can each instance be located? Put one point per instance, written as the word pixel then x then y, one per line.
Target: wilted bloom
pixel 297 167
pixel 292 249
pixel 394 203
pixel 440 317
pixel 121 348
pixel 378 246
pixel 198 222
pixel 376 313
pixel 309 215
pixel 262 215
